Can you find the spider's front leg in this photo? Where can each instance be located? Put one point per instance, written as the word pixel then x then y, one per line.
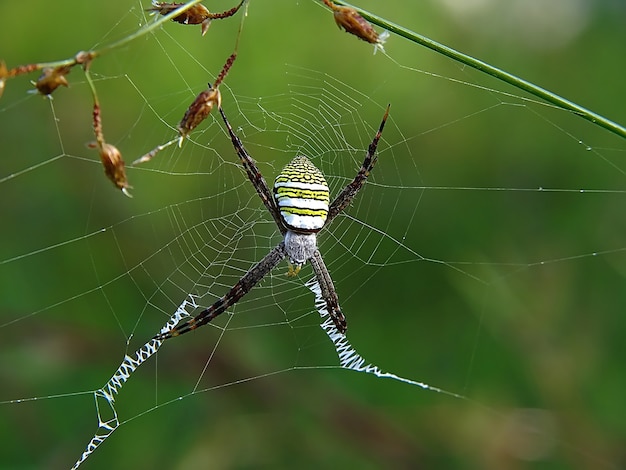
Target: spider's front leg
pixel 254 174
pixel 345 197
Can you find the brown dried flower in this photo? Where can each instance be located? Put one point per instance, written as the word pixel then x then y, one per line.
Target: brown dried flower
pixel 350 21
pixel 197 14
pixel 110 156
pixel 114 166
pixel 204 102
pixel 52 78
pixel 199 110
pixel 4 74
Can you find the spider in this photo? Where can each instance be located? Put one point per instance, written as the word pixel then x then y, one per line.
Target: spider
pixel 300 207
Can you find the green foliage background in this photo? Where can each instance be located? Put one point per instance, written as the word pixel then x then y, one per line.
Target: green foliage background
pixel 536 325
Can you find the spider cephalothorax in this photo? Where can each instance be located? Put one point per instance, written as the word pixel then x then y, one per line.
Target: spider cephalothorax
pixel 300 207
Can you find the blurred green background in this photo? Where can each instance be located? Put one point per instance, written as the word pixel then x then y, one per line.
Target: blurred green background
pixel 512 297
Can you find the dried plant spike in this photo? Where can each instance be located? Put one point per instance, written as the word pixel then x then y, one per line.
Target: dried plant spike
pixel 197 14
pixel 198 111
pixel 114 167
pixel 14 72
pixel 227 65
pixel 19 70
pixel 113 164
pixel 4 73
pixel 350 21
pixel 52 78
pixel 204 102
pixel 110 156
pixel 97 126
pixel 227 13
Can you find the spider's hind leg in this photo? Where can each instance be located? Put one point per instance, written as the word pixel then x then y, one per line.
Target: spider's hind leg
pixel 328 292
pixel 241 288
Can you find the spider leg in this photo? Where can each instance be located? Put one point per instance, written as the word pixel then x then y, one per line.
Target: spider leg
pixel 345 197
pixel 243 286
pixel 328 291
pixel 254 175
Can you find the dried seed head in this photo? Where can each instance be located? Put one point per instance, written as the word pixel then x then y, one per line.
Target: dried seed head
pixel 97 126
pixel 199 110
pixel 110 156
pixel 222 75
pixel 204 102
pixel 197 14
pixel 52 78
pixel 4 73
pixel 350 21
pixel 194 15
pixel 113 164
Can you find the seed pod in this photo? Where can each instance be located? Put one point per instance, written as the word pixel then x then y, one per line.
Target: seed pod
pixel 110 156
pixel 52 78
pixel 197 14
pixel 114 166
pixel 199 110
pixel 4 73
pixel 350 21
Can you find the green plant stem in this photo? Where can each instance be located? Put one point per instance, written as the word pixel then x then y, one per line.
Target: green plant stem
pixel 149 27
pixel 491 70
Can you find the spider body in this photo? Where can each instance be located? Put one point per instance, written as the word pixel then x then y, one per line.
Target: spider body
pixel 302 196
pixel 299 204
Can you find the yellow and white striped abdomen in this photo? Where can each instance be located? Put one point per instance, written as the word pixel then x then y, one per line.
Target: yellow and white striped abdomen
pixel 302 196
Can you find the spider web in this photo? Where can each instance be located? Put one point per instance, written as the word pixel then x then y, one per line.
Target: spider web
pixel 481 268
